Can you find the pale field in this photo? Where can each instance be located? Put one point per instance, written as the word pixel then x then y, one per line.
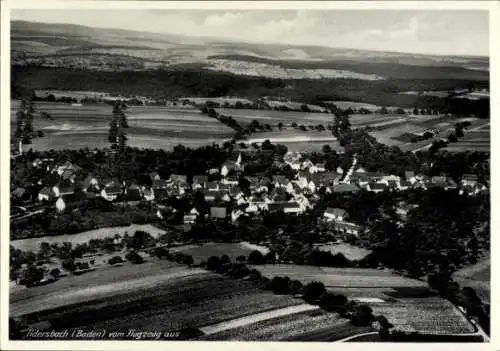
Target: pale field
pixel 340 277
pixel 33 244
pixel 349 251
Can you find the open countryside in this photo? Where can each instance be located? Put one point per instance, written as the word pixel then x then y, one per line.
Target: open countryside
pixel 211 190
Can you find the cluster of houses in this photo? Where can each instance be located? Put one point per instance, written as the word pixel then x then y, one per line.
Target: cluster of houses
pixel 259 194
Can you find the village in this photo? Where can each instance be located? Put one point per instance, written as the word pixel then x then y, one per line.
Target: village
pixel 229 191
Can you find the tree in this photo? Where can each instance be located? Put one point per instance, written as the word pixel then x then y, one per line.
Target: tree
pixel 116 135
pixel 452 138
pixel 213 263
pixel 326 149
pixel 312 291
pixel 188 259
pixel 256 257
pixel 415 111
pixel 295 287
pixel 32 276
pixel 280 125
pixel 362 315
pixel 459 131
pixel 134 257
pixel 55 273
pixel 280 285
pixel 115 260
pixel 294 125
pixel 24 124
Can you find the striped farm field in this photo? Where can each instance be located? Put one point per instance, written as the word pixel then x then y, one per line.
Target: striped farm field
pixel 150 126
pixel 340 277
pixel 299 326
pixel 432 315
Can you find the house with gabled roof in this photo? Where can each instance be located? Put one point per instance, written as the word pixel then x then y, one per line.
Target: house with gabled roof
pixel 179 180
pixel 219 213
pixel 148 194
pixel 111 191
pixel 232 166
pixel 230 180
pixel 133 192
pixel 410 176
pixel 160 184
pixel 154 176
pixel 335 214
pixel 212 186
pixel 292 207
pixel 377 187
pixel 404 185
pixel 469 179
pixel 347 228
pixel 161 194
pixel 199 181
pixel 46 194
pixel 345 188
pixel 90 183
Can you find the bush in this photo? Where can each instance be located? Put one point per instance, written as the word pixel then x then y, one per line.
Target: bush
pixel 162 253
pixel 188 259
pixel 332 302
pixel 280 285
pixel 69 265
pixel 313 291
pixel 213 263
pixel 362 315
pixel 134 257
pixel 295 287
pixel 256 257
pixel 55 273
pixel 238 270
pixel 241 258
pixel 116 260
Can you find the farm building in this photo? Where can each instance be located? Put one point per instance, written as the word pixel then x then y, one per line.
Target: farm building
pixel 148 194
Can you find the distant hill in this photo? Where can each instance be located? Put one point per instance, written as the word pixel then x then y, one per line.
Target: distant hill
pixel 69 45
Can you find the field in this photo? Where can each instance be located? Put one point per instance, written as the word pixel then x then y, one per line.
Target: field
pixel 204 251
pixel 430 315
pixel 33 244
pixel 477 140
pixel 478 277
pixel 272 117
pixel 349 251
pixel 156 295
pixel 297 140
pixel 317 325
pixel 341 277
pixel 150 127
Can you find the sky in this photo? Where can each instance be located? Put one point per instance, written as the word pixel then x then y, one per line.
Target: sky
pixel 440 32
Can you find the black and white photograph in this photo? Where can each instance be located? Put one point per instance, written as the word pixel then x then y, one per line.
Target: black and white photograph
pixel 247 173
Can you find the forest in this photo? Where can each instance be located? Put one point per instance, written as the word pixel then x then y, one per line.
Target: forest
pixel 169 84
